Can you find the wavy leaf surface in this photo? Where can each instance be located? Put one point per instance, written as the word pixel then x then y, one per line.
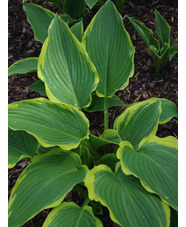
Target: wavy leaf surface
pixel 110 49
pixel 155 163
pixel 128 202
pixel 51 123
pixel 44 184
pixel 138 121
pixel 69 214
pixel 64 66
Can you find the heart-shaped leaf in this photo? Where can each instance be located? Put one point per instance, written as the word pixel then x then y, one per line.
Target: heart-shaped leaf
pixel 69 214
pixel 51 123
pixel 138 121
pixel 44 184
pixel 128 202
pixel 155 162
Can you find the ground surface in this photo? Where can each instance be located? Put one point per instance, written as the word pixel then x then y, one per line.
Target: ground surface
pixel 143 85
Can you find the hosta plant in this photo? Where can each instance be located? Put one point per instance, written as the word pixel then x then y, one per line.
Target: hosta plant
pixel 161 51
pixel 136 181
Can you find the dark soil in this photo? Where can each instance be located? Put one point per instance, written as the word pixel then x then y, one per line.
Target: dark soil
pixel 143 85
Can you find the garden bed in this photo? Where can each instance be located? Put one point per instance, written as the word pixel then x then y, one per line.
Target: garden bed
pixel 143 85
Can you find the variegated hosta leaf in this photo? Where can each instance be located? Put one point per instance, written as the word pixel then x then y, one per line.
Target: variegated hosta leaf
pixel 155 163
pixel 110 49
pixel 20 145
pixel 138 121
pixel 169 110
pixel 44 184
pixel 64 66
pixel 51 123
pixel 128 202
pixel 162 28
pixel 40 19
pixel 71 215
pixel 23 66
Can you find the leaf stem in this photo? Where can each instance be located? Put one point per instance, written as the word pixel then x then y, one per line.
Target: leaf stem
pixel 87 201
pixel 105 113
pixel 106 125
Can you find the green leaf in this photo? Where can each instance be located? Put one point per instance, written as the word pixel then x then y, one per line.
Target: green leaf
pixel 44 184
pixel 128 202
pixel 39 87
pixel 51 123
pixel 40 19
pixel 160 57
pixel 169 110
pixel 77 30
pixel 64 66
pixel 20 145
pixel 172 51
pixel 110 49
pixel 162 28
pixel 23 66
pixel 155 163
pixel 74 8
pixel 145 33
pixel 69 214
pixel 97 103
pixel 138 121
pixel 91 3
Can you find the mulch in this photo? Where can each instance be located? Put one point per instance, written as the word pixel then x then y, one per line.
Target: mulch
pixel 143 85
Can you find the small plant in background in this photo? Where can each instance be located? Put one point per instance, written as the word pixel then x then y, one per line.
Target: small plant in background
pixel 81 71
pixel 162 51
